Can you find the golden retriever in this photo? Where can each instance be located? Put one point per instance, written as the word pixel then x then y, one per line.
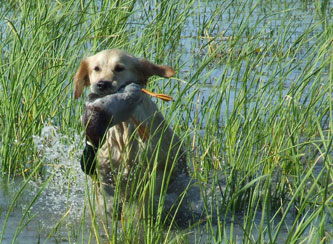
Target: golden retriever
pixel 158 152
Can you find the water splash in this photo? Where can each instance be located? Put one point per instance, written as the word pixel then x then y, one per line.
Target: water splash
pixel 65 190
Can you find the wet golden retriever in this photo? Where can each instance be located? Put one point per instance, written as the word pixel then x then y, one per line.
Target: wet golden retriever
pixel 135 157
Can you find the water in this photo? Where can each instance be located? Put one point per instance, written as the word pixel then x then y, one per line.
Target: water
pixel 41 207
pixel 196 46
pixel 38 210
pixel 58 199
pixel 43 202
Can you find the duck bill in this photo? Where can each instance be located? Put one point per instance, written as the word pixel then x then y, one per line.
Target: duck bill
pixel 164 97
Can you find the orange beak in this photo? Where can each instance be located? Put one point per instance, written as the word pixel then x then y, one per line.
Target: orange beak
pixel 158 95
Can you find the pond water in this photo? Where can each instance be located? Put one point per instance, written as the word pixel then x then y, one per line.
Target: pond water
pixel 41 206
pixel 44 205
pixel 45 202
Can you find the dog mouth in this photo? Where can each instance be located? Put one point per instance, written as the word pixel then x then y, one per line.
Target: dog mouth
pixel 107 88
pixel 104 87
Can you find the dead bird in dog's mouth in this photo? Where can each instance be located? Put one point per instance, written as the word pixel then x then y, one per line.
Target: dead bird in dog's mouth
pixel 127 136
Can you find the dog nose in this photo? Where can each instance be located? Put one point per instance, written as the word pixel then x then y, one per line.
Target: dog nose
pixel 102 84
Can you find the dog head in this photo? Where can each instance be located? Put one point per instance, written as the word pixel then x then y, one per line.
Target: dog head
pixel 109 70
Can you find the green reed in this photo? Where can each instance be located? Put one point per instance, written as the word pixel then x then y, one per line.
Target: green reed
pixel 252 105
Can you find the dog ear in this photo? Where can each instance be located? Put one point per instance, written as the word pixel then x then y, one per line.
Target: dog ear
pixel 81 79
pixel 149 69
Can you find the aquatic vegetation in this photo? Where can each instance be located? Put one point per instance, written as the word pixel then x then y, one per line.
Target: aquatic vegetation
pixel 252 104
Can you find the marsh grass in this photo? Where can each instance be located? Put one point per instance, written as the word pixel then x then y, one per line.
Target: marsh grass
pixel 252 105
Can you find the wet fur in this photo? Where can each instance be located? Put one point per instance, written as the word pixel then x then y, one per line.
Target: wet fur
pixel 123 150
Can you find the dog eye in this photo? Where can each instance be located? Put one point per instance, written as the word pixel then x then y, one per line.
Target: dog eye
pixel 119 68
pixel 97 68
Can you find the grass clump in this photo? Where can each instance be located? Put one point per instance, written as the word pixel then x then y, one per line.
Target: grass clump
pixel 253 106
